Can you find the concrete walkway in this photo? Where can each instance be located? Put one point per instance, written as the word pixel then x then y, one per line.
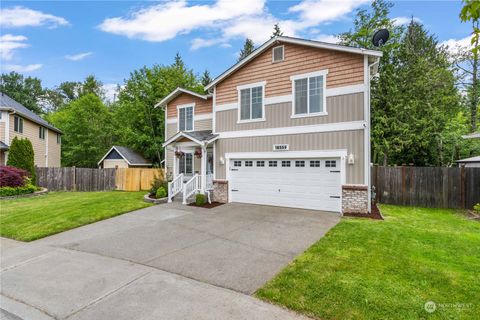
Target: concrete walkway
pixel 162 262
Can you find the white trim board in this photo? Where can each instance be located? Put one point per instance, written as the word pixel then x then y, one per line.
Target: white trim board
pixel 196 117
pixel 316 128
pixel 356 88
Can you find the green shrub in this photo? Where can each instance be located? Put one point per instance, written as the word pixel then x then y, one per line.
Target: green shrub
pixel 15 191
pixel 476 208
pixel 156 184
pixel 200 199
pixel 21 155
pixel 161 193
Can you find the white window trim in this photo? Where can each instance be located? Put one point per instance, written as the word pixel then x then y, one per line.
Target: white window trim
pixel 19 121
pixel 43 130
pixel 180 159
pixel 183 106
pixel 283 56
pixel 250 86
pixel 308 76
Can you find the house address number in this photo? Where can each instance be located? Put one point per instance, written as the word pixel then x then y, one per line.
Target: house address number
pixel 280 147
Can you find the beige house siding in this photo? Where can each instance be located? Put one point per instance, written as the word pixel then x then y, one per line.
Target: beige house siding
pixel 172 128
pixel 350 140
pixel 2 132
pixel 347 107
pixel 201 105
pixel 343 69
pixel 54 150
pixel 113 163
pixel 31 132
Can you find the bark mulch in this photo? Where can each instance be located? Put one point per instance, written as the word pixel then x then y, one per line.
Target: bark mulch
pixel 207 205
pixel 375 214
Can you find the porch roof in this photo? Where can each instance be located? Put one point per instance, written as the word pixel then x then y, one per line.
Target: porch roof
pixel 202 137
pixel 3 146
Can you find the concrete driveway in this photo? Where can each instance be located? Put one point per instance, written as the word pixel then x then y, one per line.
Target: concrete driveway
pixel 163 262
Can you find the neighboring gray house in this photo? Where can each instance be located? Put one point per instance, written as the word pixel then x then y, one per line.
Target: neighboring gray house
pixel 123 157
pixel 289 125
pixel 473 162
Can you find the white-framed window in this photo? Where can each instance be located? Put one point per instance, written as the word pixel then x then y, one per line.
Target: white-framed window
pixel 41 133
pixel 315 163
pixel 278 53
pixel 248 163
pixel 251 101
pixel 272 163
pixel 185 117
pixel 186 164
pixel 237 163
pixel 261 163
pixel 300 163
pixel 18 124
pixel 331 163
pixel 59 138
pixel 285 163
pixel 309 94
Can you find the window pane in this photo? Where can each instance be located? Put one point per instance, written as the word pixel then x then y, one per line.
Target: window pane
pixel 181 116
pixel 245 104
pixel 286 163
pixel 181 165
pixel 257 97
pixel 249 163
pixel 260 163
pixel 188 163
pixel 189 120
pixel 300 96
pixel 316 94
pixel 237 163
pixel 272 163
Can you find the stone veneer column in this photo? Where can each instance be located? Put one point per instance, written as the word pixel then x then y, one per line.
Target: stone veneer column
pixel 220 191
pixel 355 198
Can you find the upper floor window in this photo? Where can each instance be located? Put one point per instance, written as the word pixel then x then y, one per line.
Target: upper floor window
pixel 17 124
pixel 278 54
pixel 251 101
pixel 185 118
pixel 41 133
pixel 309 93
pixel 59 138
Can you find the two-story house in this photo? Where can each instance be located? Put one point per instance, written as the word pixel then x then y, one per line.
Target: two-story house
pixel 18 121
pixel 289 125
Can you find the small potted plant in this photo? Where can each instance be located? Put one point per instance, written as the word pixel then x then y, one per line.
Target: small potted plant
pixel 179 153
pixel 198 153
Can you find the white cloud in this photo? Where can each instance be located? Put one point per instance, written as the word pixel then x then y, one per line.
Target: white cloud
pixel 111 92
pixel 224 19
pixel 400 21
pixel 78 56
pixel 167 20
pixel 19 16
pixel 9 43
pixel 327 38
pixel 454 45
pixel 21 68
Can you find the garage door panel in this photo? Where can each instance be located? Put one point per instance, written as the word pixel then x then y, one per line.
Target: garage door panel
pixel 300 187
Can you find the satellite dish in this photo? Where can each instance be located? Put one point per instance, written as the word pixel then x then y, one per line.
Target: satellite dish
pixel 380 37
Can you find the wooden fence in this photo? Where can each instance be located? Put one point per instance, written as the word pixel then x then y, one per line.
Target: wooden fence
pixel 435 187
pixel 87 179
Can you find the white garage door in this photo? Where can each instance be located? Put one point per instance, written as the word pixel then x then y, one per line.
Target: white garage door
pixel 298 183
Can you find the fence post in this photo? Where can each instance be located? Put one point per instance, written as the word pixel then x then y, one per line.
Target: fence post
pixel 74 178
pixel 462 187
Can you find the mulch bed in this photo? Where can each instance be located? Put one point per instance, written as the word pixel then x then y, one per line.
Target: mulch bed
pixel 375 214
pixel 207 205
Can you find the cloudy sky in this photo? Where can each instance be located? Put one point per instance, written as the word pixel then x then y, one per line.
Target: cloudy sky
pixel 59 41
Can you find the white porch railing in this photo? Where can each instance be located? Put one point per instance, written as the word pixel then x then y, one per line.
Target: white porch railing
pixel 190 187
pixel 175 187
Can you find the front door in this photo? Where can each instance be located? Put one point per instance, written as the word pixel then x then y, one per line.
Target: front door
pixel 185 165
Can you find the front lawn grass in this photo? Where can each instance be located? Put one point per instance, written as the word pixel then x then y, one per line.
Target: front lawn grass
pixel 370 269
pixel 28 219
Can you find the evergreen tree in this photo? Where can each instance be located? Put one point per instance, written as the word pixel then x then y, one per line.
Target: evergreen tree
pixel 206 79
pixel 21 155
pixel 26 91
pixel 276 31
pixel 248 48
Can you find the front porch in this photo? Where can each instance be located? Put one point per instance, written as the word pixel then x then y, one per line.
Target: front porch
pixel 192 163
